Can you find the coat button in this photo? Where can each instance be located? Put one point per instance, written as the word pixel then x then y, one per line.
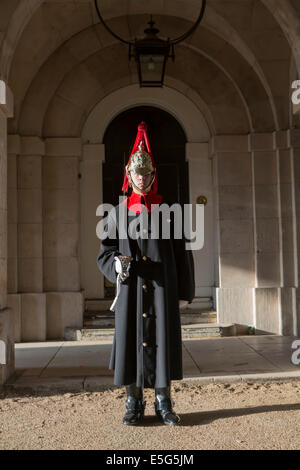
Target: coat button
pixel 144 258
pixel 145 345
pixel 145 315
pixel 144 286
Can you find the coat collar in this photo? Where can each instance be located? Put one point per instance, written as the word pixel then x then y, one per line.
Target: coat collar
pixel 135 201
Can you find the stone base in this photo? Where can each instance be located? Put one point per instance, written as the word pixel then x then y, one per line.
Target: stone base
pixel 41 317
pixel 235 305
pixel 64 310
pixel 14 303
pixel 268 309
pixel 33 314
pixel 7 352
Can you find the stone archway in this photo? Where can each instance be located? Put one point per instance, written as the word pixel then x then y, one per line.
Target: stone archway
pixel 200 176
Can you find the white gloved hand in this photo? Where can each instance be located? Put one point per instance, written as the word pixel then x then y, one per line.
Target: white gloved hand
pixel 183 303
pixel 122 265
pixel 118 265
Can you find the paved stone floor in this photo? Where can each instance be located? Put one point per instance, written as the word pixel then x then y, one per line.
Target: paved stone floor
pixel 82 365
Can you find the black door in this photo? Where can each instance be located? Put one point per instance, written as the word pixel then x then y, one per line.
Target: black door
pixel 167 140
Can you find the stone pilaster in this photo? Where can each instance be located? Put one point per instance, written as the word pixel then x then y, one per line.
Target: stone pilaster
pixel 61 215
pixel 264 228
pixel 30 215
pixel 6 319
pixel 61 209
pixel 293 138
pixel 233 184
pixel 268 241
pixel 91 197
pixel 200 177
pixel 13 297
pixel 14 150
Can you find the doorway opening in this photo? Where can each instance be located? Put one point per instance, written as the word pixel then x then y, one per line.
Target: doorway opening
pixel 167 141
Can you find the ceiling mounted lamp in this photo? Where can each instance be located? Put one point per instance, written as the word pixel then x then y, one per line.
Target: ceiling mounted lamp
pixel 151 53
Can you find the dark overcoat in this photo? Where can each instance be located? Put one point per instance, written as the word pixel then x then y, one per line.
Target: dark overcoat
pixel 147 346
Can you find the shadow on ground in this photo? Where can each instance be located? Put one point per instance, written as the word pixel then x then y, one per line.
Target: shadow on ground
pixel 207 417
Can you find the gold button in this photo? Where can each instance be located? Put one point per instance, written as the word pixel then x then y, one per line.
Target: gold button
pixel 145 315
pixel 144 286
pixel 145 345
pixel 144 258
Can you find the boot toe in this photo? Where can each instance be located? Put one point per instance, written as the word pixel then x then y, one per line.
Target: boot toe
pixel 134 413
pixel 131 421
pixel 171 419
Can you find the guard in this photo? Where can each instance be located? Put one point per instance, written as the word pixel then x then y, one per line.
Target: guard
pixel 153 274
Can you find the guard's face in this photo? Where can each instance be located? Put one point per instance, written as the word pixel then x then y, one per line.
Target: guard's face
pixel 141 181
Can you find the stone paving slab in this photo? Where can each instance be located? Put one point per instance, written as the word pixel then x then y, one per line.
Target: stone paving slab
pixel 35 355
pixel 75 365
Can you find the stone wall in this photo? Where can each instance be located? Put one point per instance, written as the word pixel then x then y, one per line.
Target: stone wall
pixel 256 186
pixel 43 264
pixel 6 318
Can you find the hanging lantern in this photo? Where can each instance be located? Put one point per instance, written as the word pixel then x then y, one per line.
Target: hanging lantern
pixel 151 53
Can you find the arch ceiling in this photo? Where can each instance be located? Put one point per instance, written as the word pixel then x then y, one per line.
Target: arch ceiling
pixel 59 61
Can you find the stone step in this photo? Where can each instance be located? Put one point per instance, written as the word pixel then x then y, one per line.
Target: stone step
pixel 106 319
pixel 197 330
pixel 100 305
pixel 208 329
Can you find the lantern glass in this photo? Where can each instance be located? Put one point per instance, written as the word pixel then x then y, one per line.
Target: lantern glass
pixel 151 69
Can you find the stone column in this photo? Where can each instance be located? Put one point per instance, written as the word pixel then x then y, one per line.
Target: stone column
pixel 293 266
pixel 13 297
pixel 268 241
pixel 30 239
pixel 61 204
pixel 91 196
pixel 233 182
pixel 6 318
pixel 200 179
pixel 259 247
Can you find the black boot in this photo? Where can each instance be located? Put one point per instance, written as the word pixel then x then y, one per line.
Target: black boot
pixel 163 406
pixel 134 405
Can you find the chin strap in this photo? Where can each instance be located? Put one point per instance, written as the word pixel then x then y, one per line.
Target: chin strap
pixel 134 187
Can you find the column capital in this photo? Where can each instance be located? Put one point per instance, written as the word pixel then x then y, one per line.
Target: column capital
pixel 6 100
pixel 229 143
pixel 14 144
pixel 94 152
pixel 281 140
pixel 294 138
pixel 196 151
pixel 63 147
pixel 261 141
pixel 32 145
